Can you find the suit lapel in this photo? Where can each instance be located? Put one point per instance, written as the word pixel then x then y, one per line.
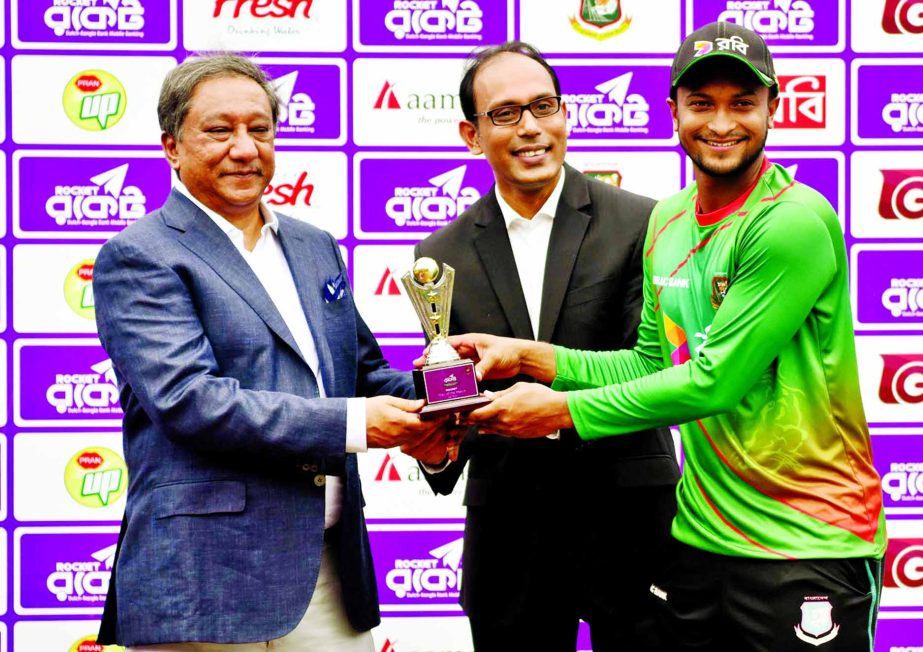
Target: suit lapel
pixel 567 232
pixel 493 246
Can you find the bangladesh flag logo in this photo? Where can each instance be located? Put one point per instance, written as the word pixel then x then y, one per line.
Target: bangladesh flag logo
pixel 600 19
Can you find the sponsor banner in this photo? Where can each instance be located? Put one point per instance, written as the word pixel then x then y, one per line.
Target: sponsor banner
pixel 62 570
pixel 785 25
pixel 887 101
pixel 653 174
pixel 886 25
pixel 60 636
pixel 396 97
pixel 898 632
pixel 886 194
pixel 72 195
pixel 53 288
pixel 812 105
pixel 887 286
pixel 95 100
pixel 616 102
pixel 401 352
pixel 311 186
pixel 69 477
pixel 430 25
pixel 902 584
pixel 394 487
pixel 423 634
pixel 264 25
pixel 378 291
pixel 891 378
pixel 313 100
pixel 93 24
pixel 66 383
pixel 400 196
pixel 418 566
pixel 899 460
pixel 599 26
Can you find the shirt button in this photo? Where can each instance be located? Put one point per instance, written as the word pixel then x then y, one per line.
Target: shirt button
pixel 320 480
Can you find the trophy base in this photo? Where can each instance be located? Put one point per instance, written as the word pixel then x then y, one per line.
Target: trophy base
pixel 448 387
pixel 436 410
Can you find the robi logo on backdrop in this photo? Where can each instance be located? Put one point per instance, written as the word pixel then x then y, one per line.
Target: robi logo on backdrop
pixel 420 19
pixel 901 195
pixel 901 379
pixel 263 8
pixel 296 110
pixel 802 102
pixel 904 564
pixel 92 17
pixel 432 205
pixel 903 17
pixel 786 16
pixel 72 205
pixel 613 110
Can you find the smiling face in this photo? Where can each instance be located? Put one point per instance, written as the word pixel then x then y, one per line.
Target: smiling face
pixel 225 155
pixel 526 157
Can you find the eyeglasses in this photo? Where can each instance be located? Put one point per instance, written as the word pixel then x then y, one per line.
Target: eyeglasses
pixel 506 116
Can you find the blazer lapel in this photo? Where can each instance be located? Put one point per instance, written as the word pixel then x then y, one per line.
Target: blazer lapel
pixel 203 238
pixel 567 233
pixel 493 246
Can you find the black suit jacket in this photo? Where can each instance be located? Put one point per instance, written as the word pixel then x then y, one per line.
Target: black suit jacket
pixel 522 495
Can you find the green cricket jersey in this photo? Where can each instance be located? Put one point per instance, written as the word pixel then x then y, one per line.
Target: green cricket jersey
pixel 746 340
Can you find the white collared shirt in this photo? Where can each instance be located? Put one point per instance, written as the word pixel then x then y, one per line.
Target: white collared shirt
pixel 267 260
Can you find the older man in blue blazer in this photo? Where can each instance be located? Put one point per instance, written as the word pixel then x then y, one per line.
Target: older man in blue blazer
pixel 240 354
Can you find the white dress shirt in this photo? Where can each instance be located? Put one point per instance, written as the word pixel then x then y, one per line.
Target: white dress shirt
pixel 268 263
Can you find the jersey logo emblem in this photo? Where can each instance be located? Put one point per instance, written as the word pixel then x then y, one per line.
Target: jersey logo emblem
pixel 816 626
pixel 719 288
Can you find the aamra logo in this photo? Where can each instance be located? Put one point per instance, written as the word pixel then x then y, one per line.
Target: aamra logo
pixel 78 289
pixel 387 472
pixel 802 102
pixel 904 564
pixel 816 626
pixel 435 205
pixel 263 8
pixel 613 109
pixel 95 17
pixel 288 194
pixel 296 110
pixel 89 644
pixel 901 195
pixel 791 19
pixel 89 393
pixel 436 577
pixel 432 20
pixel 904 297
pixel 904 113
pixel 904 482
pixel 388 646
pixel 903 17
pixel 386 98
pixel 600 19
pixel 901 379
pixel 83 580
pixel 387 285
pixel 105 201
pixel 94 100
pixel 96 476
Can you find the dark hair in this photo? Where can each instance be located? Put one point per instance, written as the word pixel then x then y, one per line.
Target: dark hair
pixel 181 82
pixel 708 68
pixel 479 57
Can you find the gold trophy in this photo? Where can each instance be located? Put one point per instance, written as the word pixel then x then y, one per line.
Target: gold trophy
pixel 446 381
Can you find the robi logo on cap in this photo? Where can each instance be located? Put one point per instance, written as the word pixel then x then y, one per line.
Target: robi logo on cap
pixel 903 17
pixel 901 195
pixel 902 379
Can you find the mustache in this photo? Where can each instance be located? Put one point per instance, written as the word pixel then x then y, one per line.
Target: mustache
pixel 256 171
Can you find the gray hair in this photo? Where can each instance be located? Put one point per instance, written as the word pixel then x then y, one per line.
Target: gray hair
pixel 181 82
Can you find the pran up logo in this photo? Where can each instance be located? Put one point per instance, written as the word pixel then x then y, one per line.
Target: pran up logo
pixel 901 379
pixel 78 289
pixel 96 476
pixel 903 17
pixel 437 577
pixel 600 19
pixel 85 393
pixel 296 110
pixel 435 20
pixel 89 644
pixel 116 204
pixel 904 482
pixel 904 113
pixel 901 195
pixel 789 19
pixel 94 100
pixel 434 205
pixel 83 581
pixel 263 8
pixel 614 110
pixel 802 102
pixel 94 17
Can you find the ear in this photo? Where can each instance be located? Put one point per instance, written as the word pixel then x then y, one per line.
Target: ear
pixel 469 134
pixel 168 143
pixel 672 106
pixel 773 106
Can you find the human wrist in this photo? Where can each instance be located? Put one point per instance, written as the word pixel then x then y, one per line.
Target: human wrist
pixel 537 359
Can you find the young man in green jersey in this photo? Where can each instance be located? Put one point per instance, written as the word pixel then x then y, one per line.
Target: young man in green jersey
pixel 746 341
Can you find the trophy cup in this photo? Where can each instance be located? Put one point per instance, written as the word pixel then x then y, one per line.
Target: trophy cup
pixel 446 381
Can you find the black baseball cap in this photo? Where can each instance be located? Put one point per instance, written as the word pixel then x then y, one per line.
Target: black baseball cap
pixel 724 39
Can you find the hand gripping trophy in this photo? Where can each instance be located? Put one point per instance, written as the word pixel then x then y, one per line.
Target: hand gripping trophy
pixel 446 381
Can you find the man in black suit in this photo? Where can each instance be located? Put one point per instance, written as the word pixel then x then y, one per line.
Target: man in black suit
pixel 552 254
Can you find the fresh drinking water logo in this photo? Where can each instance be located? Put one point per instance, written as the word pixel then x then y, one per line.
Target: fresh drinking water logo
pixel 96 476
pixel 436 577
pixel 88 644
pixel 296 110
pixel 788 19
pixel 802 102
pixel 612 110
pixel 904 482
pixel 290 194
pixel 600 19
pixel 903 17
pixel 262 8
pixel 904 298
pixel 78 289
pixel 901 195
pixel 904 113
pixel 435 20
pixel 105 201
pixel 901 379
pixel 94 100
pixel 86 393
pixel 435 205
pixel 83 580
pixel 95 17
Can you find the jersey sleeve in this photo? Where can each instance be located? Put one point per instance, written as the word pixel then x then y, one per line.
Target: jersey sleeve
pixel 785 259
